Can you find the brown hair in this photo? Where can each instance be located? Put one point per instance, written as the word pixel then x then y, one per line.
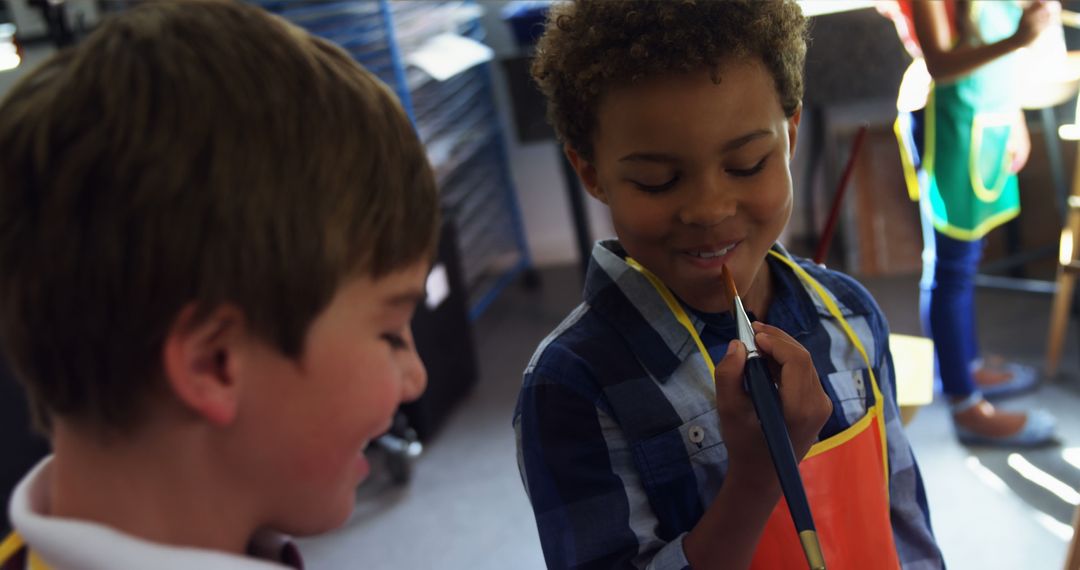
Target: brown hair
pixel 590 46
pixel 200 151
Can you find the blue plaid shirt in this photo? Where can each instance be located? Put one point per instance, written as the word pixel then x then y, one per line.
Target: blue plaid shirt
pixel 609 398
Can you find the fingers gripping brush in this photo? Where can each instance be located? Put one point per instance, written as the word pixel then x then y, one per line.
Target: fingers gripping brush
pixel 757 381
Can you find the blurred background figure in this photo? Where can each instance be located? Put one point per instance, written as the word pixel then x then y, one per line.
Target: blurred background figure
pixel 964 138
pixel 54 12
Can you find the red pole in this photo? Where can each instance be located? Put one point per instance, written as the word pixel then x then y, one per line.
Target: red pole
pixel 838 198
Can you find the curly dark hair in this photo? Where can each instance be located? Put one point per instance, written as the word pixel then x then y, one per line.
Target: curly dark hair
pixel 589 46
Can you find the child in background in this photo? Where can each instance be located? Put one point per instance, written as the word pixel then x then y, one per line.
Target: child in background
pixel 966 185
pixel 214 229
pixel 637 450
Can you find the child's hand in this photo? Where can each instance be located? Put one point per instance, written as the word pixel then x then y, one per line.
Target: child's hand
pixel 1035 19
pixel 1019 145
pixel 805 405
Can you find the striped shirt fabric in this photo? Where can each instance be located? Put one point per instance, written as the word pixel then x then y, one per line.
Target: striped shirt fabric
pixel 618 438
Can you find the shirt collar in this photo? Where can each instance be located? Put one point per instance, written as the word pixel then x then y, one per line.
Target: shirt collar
pixel 628 302
pixel 625 299
pixel 81 545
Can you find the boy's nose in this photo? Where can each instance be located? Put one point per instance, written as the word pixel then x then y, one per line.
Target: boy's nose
pixel 414 377
pixel 710 205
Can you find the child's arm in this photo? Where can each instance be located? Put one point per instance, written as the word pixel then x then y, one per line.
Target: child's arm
pixel 577 465
pixel 728 533
pixel 908 508
pixel 909 512
pixel 947 60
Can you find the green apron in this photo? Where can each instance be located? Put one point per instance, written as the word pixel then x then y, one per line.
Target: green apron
pixel 969 187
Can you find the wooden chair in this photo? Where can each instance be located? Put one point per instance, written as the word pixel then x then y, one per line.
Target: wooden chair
pixel 1069 249
pixel 1068 269
pixel 1072 557
pixel 913 358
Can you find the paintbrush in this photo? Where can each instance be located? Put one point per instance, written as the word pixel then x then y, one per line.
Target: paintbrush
pixel 766 399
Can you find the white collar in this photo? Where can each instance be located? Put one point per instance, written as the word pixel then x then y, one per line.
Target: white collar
pixel 70 544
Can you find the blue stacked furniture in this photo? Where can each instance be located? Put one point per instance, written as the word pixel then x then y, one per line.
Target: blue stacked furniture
pixel 456 119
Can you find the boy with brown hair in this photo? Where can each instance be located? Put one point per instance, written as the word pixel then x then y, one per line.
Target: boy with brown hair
pixel 637 444
pixel 214 229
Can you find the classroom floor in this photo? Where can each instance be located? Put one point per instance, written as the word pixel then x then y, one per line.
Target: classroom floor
pixel 465 507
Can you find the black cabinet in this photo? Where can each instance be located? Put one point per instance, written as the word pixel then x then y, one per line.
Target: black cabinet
pixel 443 334
pixel 20 446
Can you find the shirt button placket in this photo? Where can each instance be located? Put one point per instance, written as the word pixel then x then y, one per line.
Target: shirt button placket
pixel 696 434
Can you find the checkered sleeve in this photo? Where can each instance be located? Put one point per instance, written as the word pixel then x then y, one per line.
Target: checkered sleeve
pixel 591 509
pixel 910 514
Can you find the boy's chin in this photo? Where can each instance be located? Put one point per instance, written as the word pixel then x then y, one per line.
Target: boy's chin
pixel 315 523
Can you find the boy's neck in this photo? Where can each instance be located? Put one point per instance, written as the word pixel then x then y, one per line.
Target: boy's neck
pixel 759 297
pixel 155 488
pixel 756 299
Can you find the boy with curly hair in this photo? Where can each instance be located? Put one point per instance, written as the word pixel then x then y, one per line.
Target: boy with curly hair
pixel 636 442
pixel 214 229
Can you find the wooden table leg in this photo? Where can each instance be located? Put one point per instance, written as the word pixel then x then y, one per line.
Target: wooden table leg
pixel 1072 557
pixel 1059 320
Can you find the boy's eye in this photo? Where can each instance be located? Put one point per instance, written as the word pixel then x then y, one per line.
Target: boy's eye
pixel 656 188
pixel 744 172
pixel 396 341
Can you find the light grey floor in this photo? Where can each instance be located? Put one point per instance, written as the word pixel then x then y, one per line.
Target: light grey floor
pixel 465 507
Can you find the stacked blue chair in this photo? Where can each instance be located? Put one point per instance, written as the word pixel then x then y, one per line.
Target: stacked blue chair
pixel 456 119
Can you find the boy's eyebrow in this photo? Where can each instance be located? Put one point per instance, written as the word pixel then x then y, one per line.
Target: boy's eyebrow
pixel 648 157
pixel 732 144
pixel 745 139
pixel 407 298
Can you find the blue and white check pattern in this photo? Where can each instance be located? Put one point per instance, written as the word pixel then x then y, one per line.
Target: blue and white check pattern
pixel 610 398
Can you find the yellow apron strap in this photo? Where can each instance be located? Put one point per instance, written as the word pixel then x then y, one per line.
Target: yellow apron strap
pixel 930 132
pixel 36 563
pixel 10 546
pixel 677 310
pixel 907 162
pixel 830 305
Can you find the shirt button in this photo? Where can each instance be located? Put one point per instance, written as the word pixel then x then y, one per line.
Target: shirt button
pixel 697 434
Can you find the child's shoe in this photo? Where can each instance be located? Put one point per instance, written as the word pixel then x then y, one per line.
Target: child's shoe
pixel 977 422
pixel 997 378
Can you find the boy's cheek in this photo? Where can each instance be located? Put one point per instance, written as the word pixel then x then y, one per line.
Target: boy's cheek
pixel 641 223
pixel 776 202
pixel 309 459
pixel 416 379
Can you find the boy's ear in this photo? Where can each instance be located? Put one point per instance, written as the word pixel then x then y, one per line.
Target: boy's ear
pixel 793 130
pixel 196 360
pixel 586 173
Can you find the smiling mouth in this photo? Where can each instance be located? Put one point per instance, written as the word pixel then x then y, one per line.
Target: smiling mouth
pixel 710 254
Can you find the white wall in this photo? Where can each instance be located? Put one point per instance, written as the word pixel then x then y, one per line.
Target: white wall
pixel 29 23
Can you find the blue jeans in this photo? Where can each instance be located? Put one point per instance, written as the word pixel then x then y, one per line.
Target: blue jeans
pixel 947 307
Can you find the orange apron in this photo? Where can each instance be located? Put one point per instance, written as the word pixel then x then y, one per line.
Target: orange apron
pixel 846 476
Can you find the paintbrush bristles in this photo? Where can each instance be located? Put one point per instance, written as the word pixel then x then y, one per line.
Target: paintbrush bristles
pixel 729 282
